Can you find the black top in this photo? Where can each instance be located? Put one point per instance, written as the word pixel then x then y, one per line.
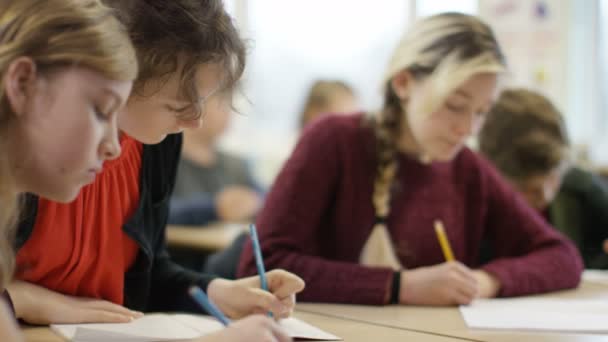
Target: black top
pixel 154 282
pixel 580 210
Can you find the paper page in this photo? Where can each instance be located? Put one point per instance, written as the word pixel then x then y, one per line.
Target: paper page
pixel 203 324
pixel 294 327
pixel 548 314
pixel 152 327
pixel 596 276
pixel 302 330
pixel 163 327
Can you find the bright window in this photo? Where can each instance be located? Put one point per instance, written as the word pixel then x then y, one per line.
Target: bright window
pixel 429 7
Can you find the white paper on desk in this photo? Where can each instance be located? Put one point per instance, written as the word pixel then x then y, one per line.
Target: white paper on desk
pixel 166 327
pixel 154 327
pixel 596 276
pixel 302 330
pixel 548 314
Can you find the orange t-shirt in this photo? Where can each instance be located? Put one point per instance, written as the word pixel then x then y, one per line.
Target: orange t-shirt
pixel 80 248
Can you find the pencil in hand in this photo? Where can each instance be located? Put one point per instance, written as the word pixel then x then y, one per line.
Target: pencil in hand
pixel 443 241
pixel 205 302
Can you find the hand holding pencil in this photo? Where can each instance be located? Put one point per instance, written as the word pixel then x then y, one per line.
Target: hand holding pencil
pixel 449 283
pixel 488 285
pixel 243 297
pixel 251 328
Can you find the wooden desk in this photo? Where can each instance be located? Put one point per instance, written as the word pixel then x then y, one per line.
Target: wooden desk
pixel 449 322
pixel 211 238
pixel 409 323
pixel 365 332
pixel 348 330
pixel 40 334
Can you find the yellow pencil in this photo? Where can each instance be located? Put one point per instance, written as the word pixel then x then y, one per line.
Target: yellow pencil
pixel 443 241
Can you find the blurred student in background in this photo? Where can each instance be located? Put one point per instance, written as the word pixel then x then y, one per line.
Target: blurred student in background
pixel 328 97
pixel 526 139
pixel 352 212
pixel 212 185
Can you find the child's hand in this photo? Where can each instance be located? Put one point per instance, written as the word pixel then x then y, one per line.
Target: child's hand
pixel 38 305
pixel 251 329
pixel 242 297
pixel 488 285
pixel 450 283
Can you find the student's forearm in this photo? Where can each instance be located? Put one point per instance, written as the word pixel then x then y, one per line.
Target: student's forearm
pixel 20 298
pixel 548 269
pixel 170 283
pixel 215 337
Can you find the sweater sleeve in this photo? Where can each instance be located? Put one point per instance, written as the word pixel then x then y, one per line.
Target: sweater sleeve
pixel 531 256
pixel 293 225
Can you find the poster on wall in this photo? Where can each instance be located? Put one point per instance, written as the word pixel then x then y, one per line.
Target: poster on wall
pixel 533 34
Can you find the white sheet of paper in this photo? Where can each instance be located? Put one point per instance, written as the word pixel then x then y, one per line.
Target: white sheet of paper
pixel 548 314
pixel 154 327
pixel 596 276
pixel 294 327
pixel 170 327
pixel 300 329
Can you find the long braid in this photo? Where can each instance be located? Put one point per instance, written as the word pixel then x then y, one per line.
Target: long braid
pixel 379 250
pixel 386 131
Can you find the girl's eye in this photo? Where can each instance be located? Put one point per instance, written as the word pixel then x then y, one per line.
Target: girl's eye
pixel 177 110
pixel 455 108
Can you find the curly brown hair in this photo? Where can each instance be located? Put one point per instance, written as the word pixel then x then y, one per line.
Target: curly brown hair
pixel 179 36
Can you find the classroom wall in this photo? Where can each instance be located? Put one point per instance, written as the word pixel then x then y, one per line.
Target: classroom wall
pixel 552 47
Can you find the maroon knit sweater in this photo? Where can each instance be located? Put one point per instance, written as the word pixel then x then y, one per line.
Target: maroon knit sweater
pixel 319 214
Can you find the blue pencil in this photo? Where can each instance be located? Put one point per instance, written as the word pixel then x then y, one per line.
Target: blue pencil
pixel 259 262
pixel 201 298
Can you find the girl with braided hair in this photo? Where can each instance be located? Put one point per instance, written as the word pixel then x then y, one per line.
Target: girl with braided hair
pixel 352 211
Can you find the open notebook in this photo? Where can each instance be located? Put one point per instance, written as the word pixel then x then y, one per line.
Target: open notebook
pixel 172 327
pixel 548 314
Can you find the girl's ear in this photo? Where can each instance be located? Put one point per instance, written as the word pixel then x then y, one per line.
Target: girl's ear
pixel 19 82
pixel 402 84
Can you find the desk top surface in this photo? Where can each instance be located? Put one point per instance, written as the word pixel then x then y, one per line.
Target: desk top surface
pixel 448 320
pixel 211 237
pixel 348 330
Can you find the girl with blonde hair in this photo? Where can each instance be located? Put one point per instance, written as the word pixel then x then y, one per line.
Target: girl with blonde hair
pixel 354 208
pixel 66 69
